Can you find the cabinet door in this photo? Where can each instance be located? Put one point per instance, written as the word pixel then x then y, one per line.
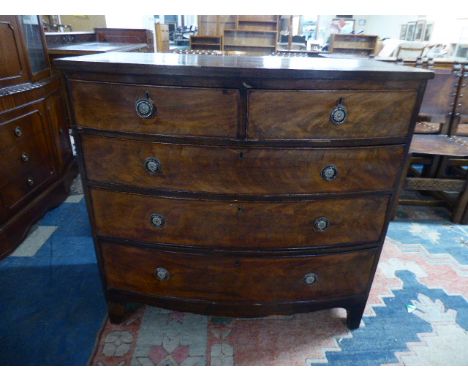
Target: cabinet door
pixel 35 46
pixel 13 67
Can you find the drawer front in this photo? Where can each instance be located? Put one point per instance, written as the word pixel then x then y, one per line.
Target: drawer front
pixel 228 278
pixel 177 111
pixel 307 114
pixel 251 171
pixel 22 130
pixel 26 158
pixel 238 224
pixel 27 163
pixel 19 188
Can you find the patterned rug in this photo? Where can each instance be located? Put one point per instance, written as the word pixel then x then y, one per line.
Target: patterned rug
pixel 53 310
pixel 417 314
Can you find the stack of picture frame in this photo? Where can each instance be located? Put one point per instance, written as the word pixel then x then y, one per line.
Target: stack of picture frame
pixel 419 30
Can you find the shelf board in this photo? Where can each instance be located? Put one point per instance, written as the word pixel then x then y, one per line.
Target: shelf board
pixel 352 48
pixel 206 43
pixel 257 21
pixel 249 31
pixel 207 36
pixel 250 46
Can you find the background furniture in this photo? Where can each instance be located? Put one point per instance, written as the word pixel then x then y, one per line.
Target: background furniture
pixel 162 37
pixel 359 44
pixel 196 207
pixel 439 156
pixel 65 44
pixel 37 162
pixel 297 33
pixel 252 34
pixel 410 50
pixel 198 42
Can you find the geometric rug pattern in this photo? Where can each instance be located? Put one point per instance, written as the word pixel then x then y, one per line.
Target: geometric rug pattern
pixel 53 311
pixel 417 314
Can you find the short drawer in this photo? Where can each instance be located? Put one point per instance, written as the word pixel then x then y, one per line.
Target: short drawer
pixel 255 279
pixel 238 224
pixel 176 111
pixel 27 163
pixel 26 129
pixel 253 171
pixel 16 190
pixel 304 114
pixel 26 158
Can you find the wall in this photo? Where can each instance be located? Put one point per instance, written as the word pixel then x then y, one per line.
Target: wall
pixel 446 29
pixel 85 23
pixel 131 21
pixel 387 26
pixel 324 22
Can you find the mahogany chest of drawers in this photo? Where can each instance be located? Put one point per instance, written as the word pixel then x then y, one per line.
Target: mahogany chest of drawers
pixel 240 186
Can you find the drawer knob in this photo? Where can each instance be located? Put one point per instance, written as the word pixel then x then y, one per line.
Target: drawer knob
pixel 329 172
pixel 321 224
pixel 310 278
pixel 145 107
pixel 339 113
pixel 30 181
pixel 18 131
pixel 152 165
pixel 161 273
pixel 25 157
pixel 157 220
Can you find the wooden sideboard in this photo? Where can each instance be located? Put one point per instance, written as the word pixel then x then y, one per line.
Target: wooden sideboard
pixel 102 40
pixel 37 161
pixel 240 186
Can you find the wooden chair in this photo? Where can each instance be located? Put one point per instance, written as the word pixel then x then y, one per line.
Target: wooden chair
pixel 448 189
pixel 443 155
pixel 436 108
pixel 410 50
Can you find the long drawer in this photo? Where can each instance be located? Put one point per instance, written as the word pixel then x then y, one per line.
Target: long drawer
pixel 253 171
pixel 229 278
pixel 176 111
pixel 239 224
pixel 308 114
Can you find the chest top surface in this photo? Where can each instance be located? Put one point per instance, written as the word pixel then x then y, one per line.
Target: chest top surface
pixel 235 66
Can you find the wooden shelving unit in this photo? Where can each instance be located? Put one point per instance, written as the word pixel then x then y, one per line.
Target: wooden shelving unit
pixel 253 35
pixel 361 45
pixel 248 34
pixel 206 42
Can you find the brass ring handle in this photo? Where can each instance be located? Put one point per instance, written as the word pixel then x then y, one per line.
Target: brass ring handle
pixel 310 278
pixel 339 113
pixel 321 224
pixel 161 273
pixel 145 107
pixel 152 165
pixel 157 220
pixel 329 173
